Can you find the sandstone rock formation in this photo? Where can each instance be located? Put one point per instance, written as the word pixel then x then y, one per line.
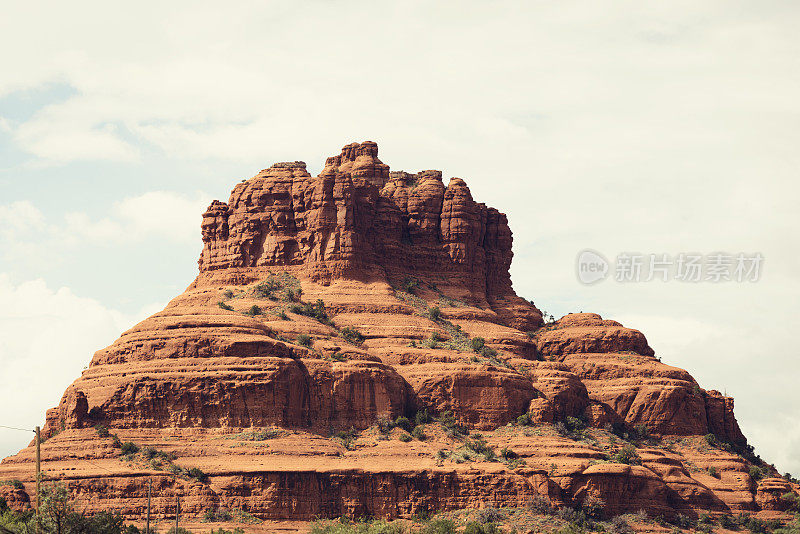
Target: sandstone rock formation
pixel 328 306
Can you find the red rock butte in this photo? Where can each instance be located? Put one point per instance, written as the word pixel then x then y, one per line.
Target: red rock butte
pixel 328 307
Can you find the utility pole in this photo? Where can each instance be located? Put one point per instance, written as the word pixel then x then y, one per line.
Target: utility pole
pixel 38 476
pixel 149 489
pixel 38 466
pixel 177 511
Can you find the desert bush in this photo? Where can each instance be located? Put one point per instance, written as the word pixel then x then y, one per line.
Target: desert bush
pixel 339 356
pixel 756 525
pixel 419 434
pixel 684 522
pixel 574 424
pixel 620 526
pixel 477 343
pixel 475 527
pixel 439 526
pixel 434 314
pixel 263 434
pixel 14 483
pixel 315 311
pixel 197 473
pixel 254 310
pixel 282 315
pixel 266 288
pixel 224 306
pixel 704 523
pixel 410 285
pixel 756 473
pixel 352 335
pixel 432 342
pixel 478 445
pixel 347 438
pixel 129 448
pixel 58 515
pixel 640 432
pixel 793 499
pixel 422 417
pixel 593 506
pixel 385 425
pixel 712 471
pixel 405 437
pixel 524 420
pixel 705 519
pixel 727 522
pixel 627 455
pixel 177 470
pixel 344 526
pixel 216 515
pixel 102 431
pixel 488 352
pixel 490 515
pixel 451 426
pixel 711 439
pixel 304 340
pixel 572 516
pixel 404 423
pixel 541 505
pixel 508 454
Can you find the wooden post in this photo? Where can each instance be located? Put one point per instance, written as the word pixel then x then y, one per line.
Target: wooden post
pixel 38 467
pixel 177 511
pixel 149 489
pixel 38 476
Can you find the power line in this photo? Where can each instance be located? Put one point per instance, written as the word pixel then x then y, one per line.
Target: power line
pixel 15 428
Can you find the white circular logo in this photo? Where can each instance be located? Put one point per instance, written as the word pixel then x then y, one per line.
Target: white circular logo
pixel 591 267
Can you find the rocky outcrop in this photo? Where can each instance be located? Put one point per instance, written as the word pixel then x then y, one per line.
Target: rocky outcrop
pixel 326 307
pixel 619 371
pixel 771 492
pixel 357 220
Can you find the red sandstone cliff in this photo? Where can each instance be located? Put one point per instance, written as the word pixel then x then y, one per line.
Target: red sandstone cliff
pixel 409 272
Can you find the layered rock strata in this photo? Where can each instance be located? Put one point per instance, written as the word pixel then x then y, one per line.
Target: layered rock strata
pixel 327 306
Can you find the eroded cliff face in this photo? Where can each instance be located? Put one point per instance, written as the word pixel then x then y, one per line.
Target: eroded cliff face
pixel 359 221
pixel 339 302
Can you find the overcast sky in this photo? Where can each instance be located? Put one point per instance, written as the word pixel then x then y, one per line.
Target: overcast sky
pixel 616 126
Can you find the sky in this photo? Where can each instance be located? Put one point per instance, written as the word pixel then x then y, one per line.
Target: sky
pixel 616 126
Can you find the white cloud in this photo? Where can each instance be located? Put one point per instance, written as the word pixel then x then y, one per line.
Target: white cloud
pixel 256 80
pixel 49 139
pixel 19 216
pixel 155 214
pixel 46 338
pixel 164 213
